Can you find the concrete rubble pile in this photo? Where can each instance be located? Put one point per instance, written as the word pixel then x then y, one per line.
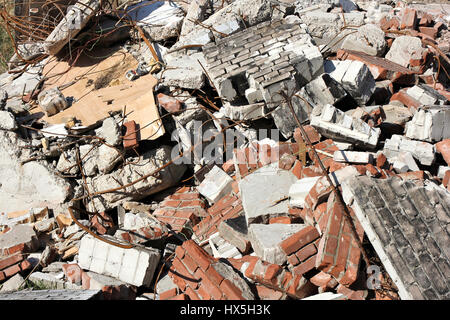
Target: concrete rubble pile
pixel 136 193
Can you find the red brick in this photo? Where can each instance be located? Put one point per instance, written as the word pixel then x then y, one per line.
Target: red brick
pixel 189 263
pixel 306 252
pixel 443 148
pixel 203 293
pixel 299 239
pixel 323 279
pixel 191 293
pixel 407 100
pixel 202 258
pixel 429 31
pixel 381 161
pixel 284 220
pixel 272 271
pixel 235 187
pixel 12 270
pixel 230 291
pixel 2 276
pixel 293 260
pixel 286 162
pixel 185 196
pixel 10 260
pixel 311 132
pixel 297 169
pixel 265 293
pixel 130 139
pixel 351 294
pixel 446 180
pixel 180 297
pixel 228 166
pixel 213 275
pixel 211 288
pixel 304 267
pixel 409 19
pixel 168 294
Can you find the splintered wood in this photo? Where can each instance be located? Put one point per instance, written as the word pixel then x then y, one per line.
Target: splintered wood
pixel 98 86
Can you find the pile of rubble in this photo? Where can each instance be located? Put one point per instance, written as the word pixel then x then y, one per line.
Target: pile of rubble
pixel 229 150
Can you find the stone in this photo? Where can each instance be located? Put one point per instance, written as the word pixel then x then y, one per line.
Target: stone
pixel 88 157
pixel 422 151
pixel 405 50
pixel 266 239
pixel 13 284
pixel 67 163
pixel 258 206
pixel 184 71
pixel 52 101
pixel 333 123
pixel 368 39
pixel 78 16
pixel 354 76
pixel 299 190
pixel 135 266
pixel 110 131
pixel 429 124
pixel 217 184
pixel 19 236
pixel 7 121
pixel 107 158
pixel 353 157
pixel 148 162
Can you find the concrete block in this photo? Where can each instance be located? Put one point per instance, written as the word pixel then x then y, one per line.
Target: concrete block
pixel 426 95
pixel 333 123
pixel 422 151
pixel 217 183
pixel 404 162
pixel 222 248
pixel 299 190
pixel 235 232
pixel 353 157
pixel 405 49
pixel 259 205
pixel 266 238
pixel 135 266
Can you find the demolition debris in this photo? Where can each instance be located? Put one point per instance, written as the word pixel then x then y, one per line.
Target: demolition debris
pixel 225 150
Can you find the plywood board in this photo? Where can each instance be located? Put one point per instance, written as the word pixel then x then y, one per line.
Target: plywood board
pixel 116 93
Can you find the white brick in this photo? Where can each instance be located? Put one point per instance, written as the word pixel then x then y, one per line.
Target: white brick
pixel 353 157
pixel 300 189
pixel 217 183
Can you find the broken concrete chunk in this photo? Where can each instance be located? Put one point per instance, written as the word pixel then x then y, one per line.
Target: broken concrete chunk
pixel 18 236
pixel 13 284
pixel 429 124
pixel 107 158
pixel 135 266
pixel 160 20
pixel 184 71
pixel 7 121
pixel 67 163
pixel 404 162
pixel 266 239
pixel 300 189
pixel 426 95
pixel 259 206
pixel 353 157
pixel 354 76
pixel 215 185
pixel 88 157
pixel 422 151
pixel 52 101
pixel 369 39
pixel 333 123
pixel 149 162
pixel 235 232
pixel 110 131
pixel 406 51
pixel 75 20
pixel 222 248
